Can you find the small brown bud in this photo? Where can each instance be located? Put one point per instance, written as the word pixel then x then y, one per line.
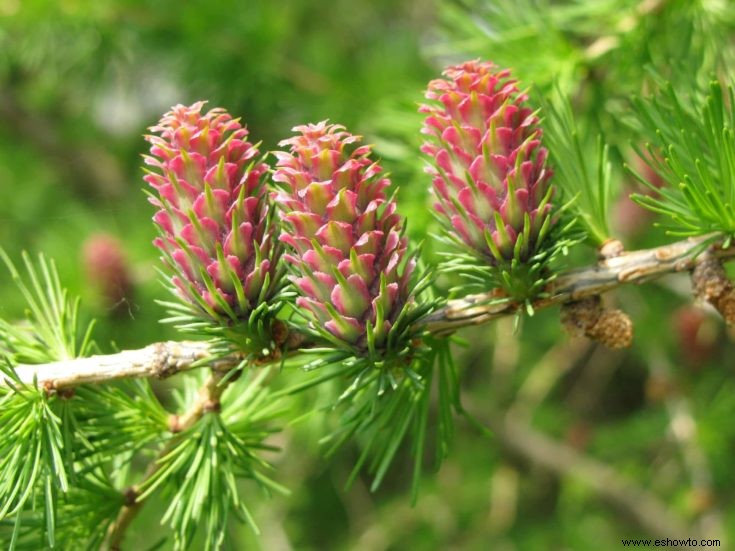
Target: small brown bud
pixel 726 306
pixel 279 332
pixel 580 316
pixel 710 283
pixel 174 424
pixel 211 406
pixel 609 326
pixel 66 393
pixel 50 389
pixel 610 249
pixel 130 496
pixel 614 329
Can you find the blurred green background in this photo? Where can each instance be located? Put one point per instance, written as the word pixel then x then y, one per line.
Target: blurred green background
pixel 81 81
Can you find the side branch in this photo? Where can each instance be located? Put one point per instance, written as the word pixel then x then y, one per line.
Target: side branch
pixel 645 508
pixel 167 358
pixel 629 267
pixel 207 400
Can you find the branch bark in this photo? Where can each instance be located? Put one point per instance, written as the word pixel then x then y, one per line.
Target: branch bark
pixel 167 358
pixel 158 360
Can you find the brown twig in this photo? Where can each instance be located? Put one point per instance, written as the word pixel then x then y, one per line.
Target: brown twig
pixel 208 399
pixel 645 508
pixel 167 358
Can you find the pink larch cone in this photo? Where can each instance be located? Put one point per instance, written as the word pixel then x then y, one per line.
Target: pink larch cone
pixel 108 270
pixel 489 174
pixel 215 228
pixel 348 248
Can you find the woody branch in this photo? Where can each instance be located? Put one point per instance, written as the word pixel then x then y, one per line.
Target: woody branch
pixel 167 358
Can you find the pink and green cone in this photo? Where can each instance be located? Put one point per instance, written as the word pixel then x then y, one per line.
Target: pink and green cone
pixel 490 178
pixel 348 248
pixel 215 229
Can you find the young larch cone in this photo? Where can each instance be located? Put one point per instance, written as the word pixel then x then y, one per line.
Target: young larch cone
pixel 108 270
pixel 215 228
pixel 489 169
pixel 349 251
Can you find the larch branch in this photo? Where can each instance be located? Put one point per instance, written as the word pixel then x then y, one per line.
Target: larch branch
pixel 158 360
pixel 629 267
pixel 167 358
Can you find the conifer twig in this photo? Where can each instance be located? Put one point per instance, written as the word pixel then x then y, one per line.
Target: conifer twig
pixel 208 399
pixel 167 358
pixel 645 508
pixel 160 360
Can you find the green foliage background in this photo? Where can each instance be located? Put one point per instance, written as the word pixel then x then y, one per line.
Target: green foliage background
pixel 81 81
